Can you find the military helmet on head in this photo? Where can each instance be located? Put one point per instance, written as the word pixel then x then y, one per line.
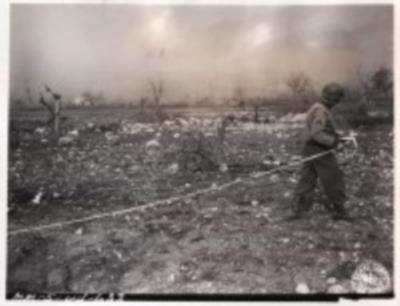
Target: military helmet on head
pixel 333 92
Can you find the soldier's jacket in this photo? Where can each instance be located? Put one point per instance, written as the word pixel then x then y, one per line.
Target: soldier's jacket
pixel 320 128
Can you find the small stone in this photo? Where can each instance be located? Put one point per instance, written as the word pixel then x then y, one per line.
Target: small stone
pixel 40 130
pixel 287 194
pixel 79 231
pixel 337 289
pixel 38 197
pixel 118 254
pixel 331 280
pixel 65 140
pixel 73 133
pixel 371 277
pixel 302 288
pixel 223 167
pixel 172 277
pixel 56 195
pixel 172 168
pixel 254 203
pixel 152 143
pixel 110 136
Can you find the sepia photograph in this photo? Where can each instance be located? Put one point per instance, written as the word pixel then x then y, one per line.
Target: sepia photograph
pixel 210 151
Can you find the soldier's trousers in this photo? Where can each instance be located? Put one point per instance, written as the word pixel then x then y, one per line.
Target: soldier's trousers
pixel 326 169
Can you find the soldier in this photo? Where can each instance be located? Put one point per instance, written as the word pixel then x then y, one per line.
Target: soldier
pixel 321 136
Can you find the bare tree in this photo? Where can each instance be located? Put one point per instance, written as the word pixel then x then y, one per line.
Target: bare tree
pixel 374 84
pixel 238 96
pixel 157 91
pixel 29 94
pixel 365 86
pixel 382 81
pixel 142 104
pixel 53 107
pixel 302 88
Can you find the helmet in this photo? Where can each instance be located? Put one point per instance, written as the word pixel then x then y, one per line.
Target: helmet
pixel 332 92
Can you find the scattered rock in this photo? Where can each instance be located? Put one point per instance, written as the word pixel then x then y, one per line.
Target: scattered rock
pixel 331 280
pixel 110 136
pixel 38 197
pixel 223 167
pixel 73 133
pixel 302 288
pixel 65 140
pixel 287 194
pixel 254 203
pixel 56 195
pixel 153 143
pixel 172 168
pixel 338 289
pixel 40 130
pixel 371 277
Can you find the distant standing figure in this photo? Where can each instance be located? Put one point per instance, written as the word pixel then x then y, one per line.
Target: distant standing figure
pixel 320 135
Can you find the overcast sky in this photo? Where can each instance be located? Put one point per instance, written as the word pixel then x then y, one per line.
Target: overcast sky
pixel 195 50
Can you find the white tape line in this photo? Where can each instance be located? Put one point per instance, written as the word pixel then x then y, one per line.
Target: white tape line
pixel 162 201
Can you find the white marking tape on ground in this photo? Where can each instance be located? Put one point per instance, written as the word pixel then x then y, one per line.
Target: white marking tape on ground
pixel 163 201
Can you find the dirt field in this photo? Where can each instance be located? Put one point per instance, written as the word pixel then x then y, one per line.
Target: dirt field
pixel 233 240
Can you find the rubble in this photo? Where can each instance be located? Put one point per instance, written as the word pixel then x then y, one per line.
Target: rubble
pixel 371 277
pixel 73 133
pixel 302 288
pixel 65 140
pixel 338 289
pixel 153 143
pixel 172 168
pixel 38 197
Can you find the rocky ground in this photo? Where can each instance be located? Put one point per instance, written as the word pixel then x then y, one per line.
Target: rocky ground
pixel 233 240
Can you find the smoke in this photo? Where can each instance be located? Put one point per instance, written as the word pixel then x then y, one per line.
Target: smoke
pixel 196 50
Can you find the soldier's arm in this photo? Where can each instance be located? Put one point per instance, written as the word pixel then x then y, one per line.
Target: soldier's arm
pixel 318 130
